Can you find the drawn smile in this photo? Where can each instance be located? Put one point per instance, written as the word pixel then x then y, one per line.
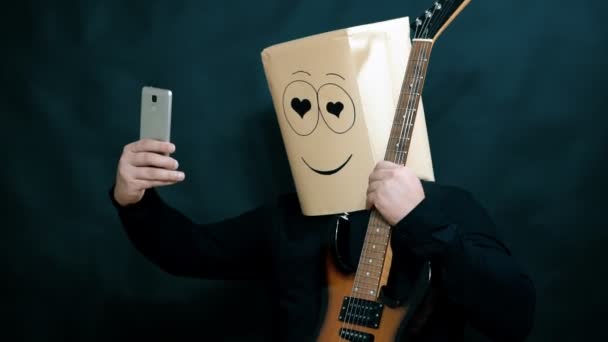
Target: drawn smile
pixel 328 172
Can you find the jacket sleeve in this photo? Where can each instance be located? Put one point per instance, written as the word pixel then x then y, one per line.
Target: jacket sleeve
pixel 235 248
pixel 477 272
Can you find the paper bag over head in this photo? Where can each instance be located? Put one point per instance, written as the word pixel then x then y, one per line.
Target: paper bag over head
pixel 335 96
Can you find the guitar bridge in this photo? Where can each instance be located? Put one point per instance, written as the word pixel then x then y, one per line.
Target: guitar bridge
pixel 361 312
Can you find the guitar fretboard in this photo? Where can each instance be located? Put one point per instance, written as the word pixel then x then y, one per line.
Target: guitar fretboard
pixel 369 276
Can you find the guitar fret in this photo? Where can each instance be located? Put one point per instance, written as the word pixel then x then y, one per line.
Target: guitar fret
pixel 399 136
pixel 365 296
pixel 399 125
pixel 375 243
pixel 375 261
pixel 373 254
pixel 371 290
pixel 369 260
pixel 371 268
pixel 377 238
pixel 367 286
pixel 363 288
pixel 378 235
pixel 378 225
pixel 370 276
pixel 373 248
pixel 396 151
pixel 402 134
pixel 367 280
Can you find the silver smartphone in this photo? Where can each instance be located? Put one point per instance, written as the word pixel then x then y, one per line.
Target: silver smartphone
pixel 155 117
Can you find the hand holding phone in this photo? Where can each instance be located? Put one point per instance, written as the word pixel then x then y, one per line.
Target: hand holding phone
pixel 146 163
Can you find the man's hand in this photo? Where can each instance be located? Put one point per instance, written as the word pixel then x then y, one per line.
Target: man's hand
pixel 142 166
pixel 394 190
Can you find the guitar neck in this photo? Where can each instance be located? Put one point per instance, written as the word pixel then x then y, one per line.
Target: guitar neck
pixel 375 260
pixel 409 100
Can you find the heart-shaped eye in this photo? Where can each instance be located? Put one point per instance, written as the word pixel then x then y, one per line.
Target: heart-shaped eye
pixel 301 107
pixel 335 108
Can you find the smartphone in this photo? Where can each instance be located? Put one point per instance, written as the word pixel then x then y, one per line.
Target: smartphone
pixel 155 117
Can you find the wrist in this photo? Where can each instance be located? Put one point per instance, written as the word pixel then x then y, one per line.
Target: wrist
pixel 121 199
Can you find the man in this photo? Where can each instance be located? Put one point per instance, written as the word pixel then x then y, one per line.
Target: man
pixel 480 284
pixel 476 281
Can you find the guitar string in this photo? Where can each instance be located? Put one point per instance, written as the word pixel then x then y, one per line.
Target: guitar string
pixel 449 5
pixel 417 80
pixel 413 99
pixel 409 127
pixel 375 220
pixel 409 106
pixel 446 11
pixel 352 304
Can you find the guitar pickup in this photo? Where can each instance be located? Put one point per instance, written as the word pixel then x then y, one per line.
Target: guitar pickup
pixel 356 336
pixel 361 312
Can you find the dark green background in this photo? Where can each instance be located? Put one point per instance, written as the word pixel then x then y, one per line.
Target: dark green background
pixel 515 105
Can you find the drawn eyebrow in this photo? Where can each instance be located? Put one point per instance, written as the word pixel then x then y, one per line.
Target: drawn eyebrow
pixel 302 71
pixel 333 74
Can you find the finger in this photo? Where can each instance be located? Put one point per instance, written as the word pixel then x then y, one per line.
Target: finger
pixel 155 184
pixel 156 174
pixel 379 175
pixel 384 164
pixel 151 145
pixel 154 159
pixel 373 187
pixel 369 201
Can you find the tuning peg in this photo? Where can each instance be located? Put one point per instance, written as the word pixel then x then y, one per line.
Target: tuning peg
pixel 416 24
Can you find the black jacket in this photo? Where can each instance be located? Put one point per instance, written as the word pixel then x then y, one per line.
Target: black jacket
pixel 477 281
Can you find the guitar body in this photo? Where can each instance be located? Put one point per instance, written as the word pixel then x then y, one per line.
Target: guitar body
pixel 393 314
pixel 339 286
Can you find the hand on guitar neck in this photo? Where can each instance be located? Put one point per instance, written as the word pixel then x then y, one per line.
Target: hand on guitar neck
pixel 394 190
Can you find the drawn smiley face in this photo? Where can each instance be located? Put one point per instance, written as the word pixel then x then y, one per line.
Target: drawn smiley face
pixel 303 105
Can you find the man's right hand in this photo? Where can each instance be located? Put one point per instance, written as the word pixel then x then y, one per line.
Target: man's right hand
pixel 142 165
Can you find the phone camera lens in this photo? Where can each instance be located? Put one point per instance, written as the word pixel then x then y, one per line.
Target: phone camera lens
pixel 154 98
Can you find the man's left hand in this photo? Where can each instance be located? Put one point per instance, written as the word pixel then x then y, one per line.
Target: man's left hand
pixel 394 190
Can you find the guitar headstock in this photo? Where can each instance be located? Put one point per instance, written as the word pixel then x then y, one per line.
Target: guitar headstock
pixel 436 19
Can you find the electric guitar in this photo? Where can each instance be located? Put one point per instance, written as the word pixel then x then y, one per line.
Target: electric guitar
pixel 358 307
